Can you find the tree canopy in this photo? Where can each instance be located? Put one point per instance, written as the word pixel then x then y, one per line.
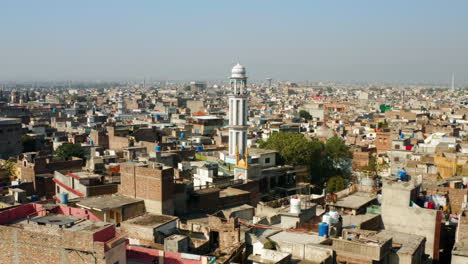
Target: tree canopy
pixel 324 160
pixel 66 151
pixel 304 114
pixel 9 167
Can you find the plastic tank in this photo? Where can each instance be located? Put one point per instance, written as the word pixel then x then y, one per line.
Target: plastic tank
pixel 323 229
pixel 334 217
pixel 199 148
pixel 326 218
pixel 295 205
pixel 64 198
pixel 182 148
pixel 34 198
pixel 182 135
pixel 158 148
pixel 402 175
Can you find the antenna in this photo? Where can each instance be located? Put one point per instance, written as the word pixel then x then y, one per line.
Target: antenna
pixel 453 81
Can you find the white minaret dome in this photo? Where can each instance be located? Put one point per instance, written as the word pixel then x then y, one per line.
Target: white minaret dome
pixel 238 71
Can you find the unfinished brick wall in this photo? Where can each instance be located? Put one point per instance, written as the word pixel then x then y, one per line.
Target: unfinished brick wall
pixel 150 184
pixel 115 142
pixel 22 246
pixel 228 230
pixel 99 138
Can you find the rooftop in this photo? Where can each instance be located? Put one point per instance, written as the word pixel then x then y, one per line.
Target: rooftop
pixel 231 192
pixel 297 238
pixel 409 242
pixel 106 202
pixel 68 222
pixel 152 220
pixel 355 200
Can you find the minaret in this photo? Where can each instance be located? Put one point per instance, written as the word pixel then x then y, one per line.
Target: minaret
pixel 238 112
pixel 120 104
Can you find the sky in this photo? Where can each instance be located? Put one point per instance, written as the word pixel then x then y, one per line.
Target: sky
pixel 330 40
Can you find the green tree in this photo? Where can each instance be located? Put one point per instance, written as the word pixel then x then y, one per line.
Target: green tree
pixel 293 148
pixel 336 184
pixel 304 114
pixel 9 167
pixel 324 160
pixel 29 143
pixel 66 151
pixel 336 148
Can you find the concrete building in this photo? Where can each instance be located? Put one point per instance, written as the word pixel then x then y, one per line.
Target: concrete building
pixel 81 184
pixel 460 249
pixel 149 230
pixel 113 208
pixel 386 247
pixel 399 216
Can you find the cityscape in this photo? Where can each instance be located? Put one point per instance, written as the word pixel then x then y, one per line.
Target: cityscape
pixel 234 132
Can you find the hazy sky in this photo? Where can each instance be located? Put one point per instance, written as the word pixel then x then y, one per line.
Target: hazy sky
pixel 406 40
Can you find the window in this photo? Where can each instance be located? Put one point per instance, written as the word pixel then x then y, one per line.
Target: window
pixel 396 159
pixel 267 160
pixel 397 146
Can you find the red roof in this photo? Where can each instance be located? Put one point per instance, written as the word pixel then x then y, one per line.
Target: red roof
pixel 199 113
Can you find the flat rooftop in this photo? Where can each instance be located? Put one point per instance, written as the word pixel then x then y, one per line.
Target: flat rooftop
pixel 409 242
pixel 232 192
pixel 54 223
pixel 152 220
pixel 106 202
pixel 297 238
pixel 355 200
pixel 84 175
pixel 258 151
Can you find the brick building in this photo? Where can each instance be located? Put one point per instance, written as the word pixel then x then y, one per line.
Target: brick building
pixel 383 142
pixel 151 182
pixel 45 234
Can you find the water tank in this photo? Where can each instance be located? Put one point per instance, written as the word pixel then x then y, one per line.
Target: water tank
pixel 323 229
pixel 91 143
pixel 334 217
pixel 295 205
pixel 402 175
pixel 182 148
pixel 34 198
pixel 158 148
pixel 199 148
pixel 326 218
pixel 64 198
pixel 182 135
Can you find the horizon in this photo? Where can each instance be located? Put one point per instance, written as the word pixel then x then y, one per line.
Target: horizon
pixel 359 42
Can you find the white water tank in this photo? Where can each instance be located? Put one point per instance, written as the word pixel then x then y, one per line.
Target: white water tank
pixel 295 205
pixel 335 217
pixel 326 218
